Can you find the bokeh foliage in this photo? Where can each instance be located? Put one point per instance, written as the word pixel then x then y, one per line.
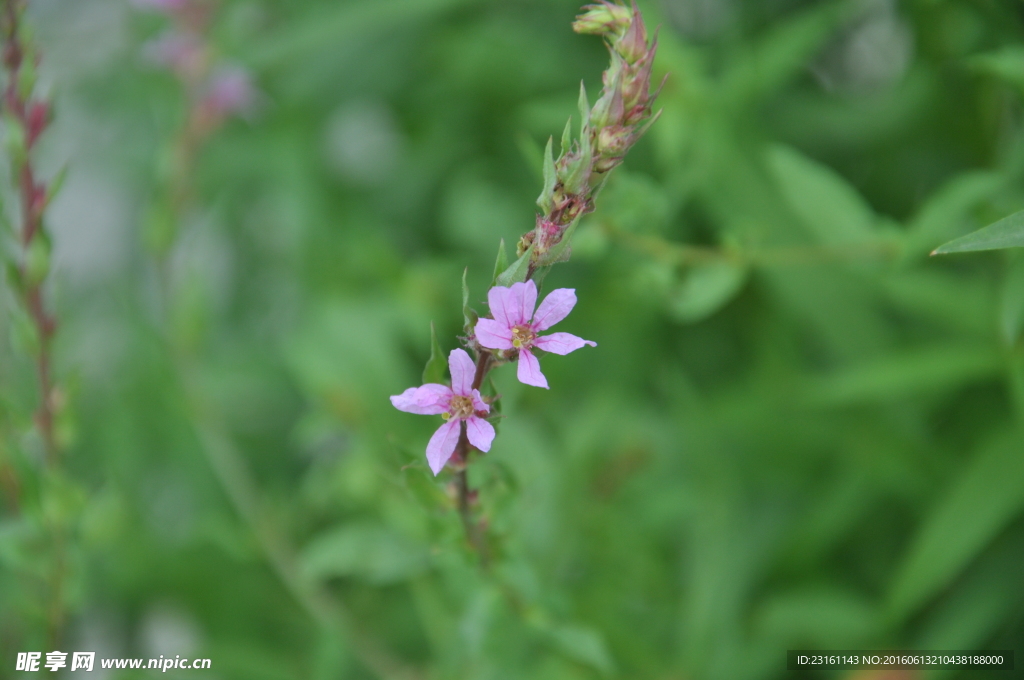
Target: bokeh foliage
pixel 797 429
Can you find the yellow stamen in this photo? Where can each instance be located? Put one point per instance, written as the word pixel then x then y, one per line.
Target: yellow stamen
pixel 522 336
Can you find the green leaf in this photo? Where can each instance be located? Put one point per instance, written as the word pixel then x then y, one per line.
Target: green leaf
pixel 1006 233
pixel 705 289
pixel 420 484
pixel 585 645
pixel 826 203
pixel 567 136
pixel 501 263
pixel 929 370
pixel 578 172
pixel 584 107
pixel 340 24
pixel 945 212
pixel 56 183
pixel 544 201
pixel 434 371
pixel 817 617
pixel 15 140
pixel 469 314
pixel 1011 313
pixel 1006 64
pixel 781 52
pixel 517 272
pixel 982 499
pixel 363 550
pixel 979 603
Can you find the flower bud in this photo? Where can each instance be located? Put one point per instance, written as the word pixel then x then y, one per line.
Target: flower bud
pixel 603 19
pixel 609 108
pixel 614 140
pixel 633 43
pixel 38 117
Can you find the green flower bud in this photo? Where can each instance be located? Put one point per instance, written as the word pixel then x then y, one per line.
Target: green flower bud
pixel 603 19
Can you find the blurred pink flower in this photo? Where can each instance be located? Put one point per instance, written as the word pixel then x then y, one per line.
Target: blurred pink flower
pixel 457 403
pixel 181 52
pixel 230 91
pixel 512 327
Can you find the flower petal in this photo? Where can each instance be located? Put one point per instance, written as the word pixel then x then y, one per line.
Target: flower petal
pixel 442 445
pixel 480 433
pixel 499 300
pixel 514 305
pixel 561 343
pixel 479 404
pixel 529 370
pixel 463 371
pixel 555 307
pixel 493 334
pixel 427 400
pixel 525 294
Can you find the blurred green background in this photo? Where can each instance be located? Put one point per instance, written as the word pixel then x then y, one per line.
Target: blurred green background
pixel 797 429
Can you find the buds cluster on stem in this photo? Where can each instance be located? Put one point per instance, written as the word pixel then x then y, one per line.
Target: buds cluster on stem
pixel 26 116
pixel 511 331
pixel 216 90
pixel 619 118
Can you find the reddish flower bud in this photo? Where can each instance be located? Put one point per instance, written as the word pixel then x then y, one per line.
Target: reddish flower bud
pixel 38 118
pixel 633 43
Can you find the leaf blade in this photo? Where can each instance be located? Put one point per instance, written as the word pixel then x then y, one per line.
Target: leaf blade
pixel 1005 233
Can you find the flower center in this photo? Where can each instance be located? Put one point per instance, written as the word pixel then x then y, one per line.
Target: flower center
pixel 460 407
pixel 522 336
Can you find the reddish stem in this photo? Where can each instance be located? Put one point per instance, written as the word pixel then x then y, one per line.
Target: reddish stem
pixel 33 197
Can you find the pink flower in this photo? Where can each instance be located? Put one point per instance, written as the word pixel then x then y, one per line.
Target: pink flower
pixel 457 403
pixel 181 52
pixel 512 327
pixel 229 91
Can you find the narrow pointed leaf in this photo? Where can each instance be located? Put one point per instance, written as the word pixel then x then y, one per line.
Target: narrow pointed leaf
pixel 980 502
pixel 1006 233
pixel 584 109
pixel 433 372
pixel 468 313
pixel 567 136
pixel 56 183
pixel 579 172
pixel 501 264
pixel 550 177
pixel 517 272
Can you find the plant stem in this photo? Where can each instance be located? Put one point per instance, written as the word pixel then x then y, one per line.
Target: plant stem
pixel 32 197
pixel 235 479
pixel 680 254
pixel 28 119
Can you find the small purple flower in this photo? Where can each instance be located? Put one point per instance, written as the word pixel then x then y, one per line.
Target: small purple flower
pixel 457 403
pixel 512 327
